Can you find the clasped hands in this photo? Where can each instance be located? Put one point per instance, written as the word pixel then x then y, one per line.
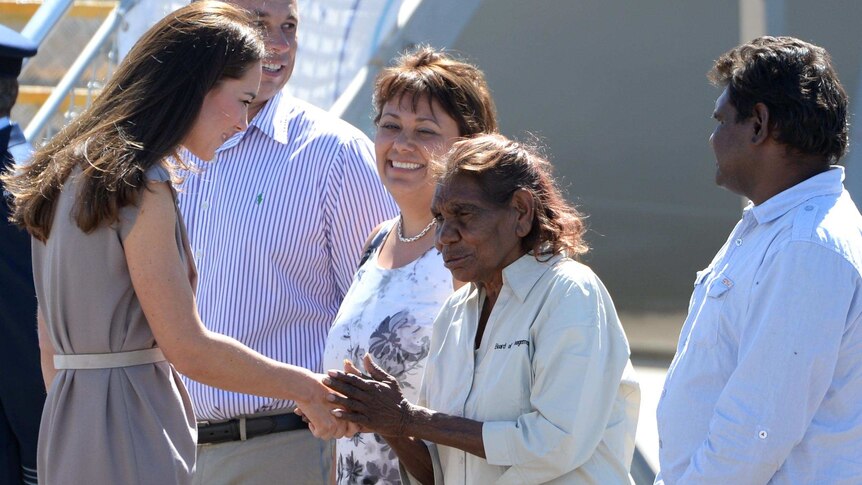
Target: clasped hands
pixel 360 402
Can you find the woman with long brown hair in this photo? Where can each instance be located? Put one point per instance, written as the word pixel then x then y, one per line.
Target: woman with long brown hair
pixel 112 267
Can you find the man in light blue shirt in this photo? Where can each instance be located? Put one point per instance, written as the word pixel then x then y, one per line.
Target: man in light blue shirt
pixel 766 384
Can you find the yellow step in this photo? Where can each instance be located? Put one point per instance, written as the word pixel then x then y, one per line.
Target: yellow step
pixel 23 10
pixel 37 95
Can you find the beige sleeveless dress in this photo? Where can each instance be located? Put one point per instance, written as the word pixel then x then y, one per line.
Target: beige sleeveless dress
pixel 123 425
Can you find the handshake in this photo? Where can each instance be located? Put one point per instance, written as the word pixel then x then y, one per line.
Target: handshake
pixel 351 402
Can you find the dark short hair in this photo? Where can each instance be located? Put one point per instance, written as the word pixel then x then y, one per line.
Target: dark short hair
pixel 797 83
pixel 501 166
pixel 458 86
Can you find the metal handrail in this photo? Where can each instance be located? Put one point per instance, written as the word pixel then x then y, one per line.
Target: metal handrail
pixel 45 19
pixel 67 84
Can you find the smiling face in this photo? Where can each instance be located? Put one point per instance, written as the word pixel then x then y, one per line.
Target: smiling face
pixel 730 140
pixel 279 20
pixel 407 142
pixel 224 112
pixel 476 237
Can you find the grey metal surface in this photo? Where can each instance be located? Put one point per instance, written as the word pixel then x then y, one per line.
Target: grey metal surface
pixel 45 19
pixel 641 471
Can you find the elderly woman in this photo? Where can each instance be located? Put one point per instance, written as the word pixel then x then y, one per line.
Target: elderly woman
pixel 528 378
pixel 424 103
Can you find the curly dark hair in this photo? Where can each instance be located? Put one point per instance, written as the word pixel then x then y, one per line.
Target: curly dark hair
pixel 458 86
pixel 502 166
pixel 797 83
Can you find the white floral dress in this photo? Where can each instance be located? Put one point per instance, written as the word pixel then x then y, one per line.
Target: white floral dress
pixel 387 313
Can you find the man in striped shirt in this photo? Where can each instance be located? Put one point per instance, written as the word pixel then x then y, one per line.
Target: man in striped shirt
pixel 276 224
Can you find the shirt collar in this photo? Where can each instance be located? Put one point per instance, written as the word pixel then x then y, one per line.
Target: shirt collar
pixel 827 183
pixel 523 274
pixel 272 120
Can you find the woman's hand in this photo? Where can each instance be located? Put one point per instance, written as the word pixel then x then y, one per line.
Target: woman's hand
pixel 350 431
pixel 374 401
pixel 317 411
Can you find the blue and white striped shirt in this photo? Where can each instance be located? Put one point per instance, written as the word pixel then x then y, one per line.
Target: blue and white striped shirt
pixel 276 225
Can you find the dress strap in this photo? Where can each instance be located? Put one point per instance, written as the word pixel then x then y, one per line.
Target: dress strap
pixel 376 241
pixel 109 360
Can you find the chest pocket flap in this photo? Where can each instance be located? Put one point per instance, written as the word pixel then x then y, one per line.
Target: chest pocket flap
pixel 719 287
pixel 707 323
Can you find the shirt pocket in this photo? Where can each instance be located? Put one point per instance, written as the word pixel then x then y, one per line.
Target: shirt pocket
pixel 503 381
pixel 707 322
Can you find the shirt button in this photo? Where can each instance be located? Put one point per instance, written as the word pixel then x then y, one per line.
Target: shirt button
pixel 660 444
pixel 763 434
pixel 809 208
pixel 198 254
pixel 663 392
pixel 205 205
pixel 738 242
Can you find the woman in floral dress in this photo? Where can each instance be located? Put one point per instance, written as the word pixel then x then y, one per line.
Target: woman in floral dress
pixel 424 103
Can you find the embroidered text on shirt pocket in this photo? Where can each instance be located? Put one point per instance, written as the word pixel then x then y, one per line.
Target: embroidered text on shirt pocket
pixel 708 323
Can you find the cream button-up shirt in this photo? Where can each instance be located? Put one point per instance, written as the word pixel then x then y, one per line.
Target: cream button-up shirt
pixel 551 380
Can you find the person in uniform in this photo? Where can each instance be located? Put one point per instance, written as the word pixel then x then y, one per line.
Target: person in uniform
pixel 22 391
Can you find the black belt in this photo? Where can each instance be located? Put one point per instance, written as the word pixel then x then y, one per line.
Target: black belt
pixel 254 426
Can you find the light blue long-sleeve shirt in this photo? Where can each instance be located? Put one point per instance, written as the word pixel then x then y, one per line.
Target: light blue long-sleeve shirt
pixel 766 384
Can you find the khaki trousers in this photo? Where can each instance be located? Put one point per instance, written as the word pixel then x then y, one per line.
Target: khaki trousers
pixel 290 457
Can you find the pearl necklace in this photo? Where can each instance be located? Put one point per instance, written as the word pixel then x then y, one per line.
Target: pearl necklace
pixel 400 231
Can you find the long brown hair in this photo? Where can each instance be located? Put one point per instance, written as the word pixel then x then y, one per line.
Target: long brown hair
pixel 140 119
